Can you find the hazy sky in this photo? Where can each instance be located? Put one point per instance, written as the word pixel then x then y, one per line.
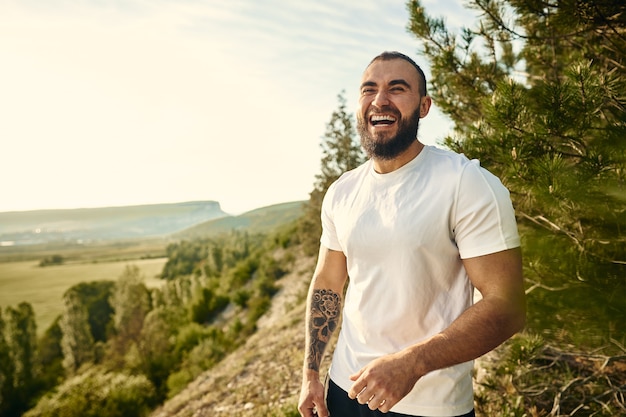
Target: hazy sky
pixel 123 102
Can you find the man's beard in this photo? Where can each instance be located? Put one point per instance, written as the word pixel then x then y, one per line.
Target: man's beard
pixel 377 147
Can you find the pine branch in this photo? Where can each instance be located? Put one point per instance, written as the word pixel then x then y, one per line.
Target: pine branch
pixel 547 224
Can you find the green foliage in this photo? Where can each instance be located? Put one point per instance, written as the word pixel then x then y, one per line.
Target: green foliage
pixel 22 338
pixel 95 295
pixel 21 372
pixel 96 393
pixel 50 358
pixel 52 260
pixel 7 370
pixel 209 256
pixel 77 342
pixel 556 138
pixel 182 258
pixel 156 347
pixel 207 306
pixel 131 303
pixel 243 271
pixel 241 298
pixel 208 347
pixel 341 152
pixel 536 92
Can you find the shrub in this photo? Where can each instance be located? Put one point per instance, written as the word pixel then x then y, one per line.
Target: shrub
pixel 203 356
pixel 52 260
pixel 98 393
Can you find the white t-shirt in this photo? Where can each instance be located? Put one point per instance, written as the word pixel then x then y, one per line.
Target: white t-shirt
pixel 404 234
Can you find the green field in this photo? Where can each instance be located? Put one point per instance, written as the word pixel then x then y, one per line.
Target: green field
pixel 43 288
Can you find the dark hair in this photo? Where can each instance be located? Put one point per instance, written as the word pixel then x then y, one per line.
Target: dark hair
pixel 389 55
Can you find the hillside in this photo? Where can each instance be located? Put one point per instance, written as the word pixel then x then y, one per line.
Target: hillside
pixel 260 220
pixel 108 223
pixel 264 374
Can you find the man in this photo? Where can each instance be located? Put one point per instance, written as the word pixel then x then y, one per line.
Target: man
pixel 415 229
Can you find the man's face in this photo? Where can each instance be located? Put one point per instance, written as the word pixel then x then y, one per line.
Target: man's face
pixel 390 106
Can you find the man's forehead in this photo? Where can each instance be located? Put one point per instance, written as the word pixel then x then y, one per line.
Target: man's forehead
pixel 383 71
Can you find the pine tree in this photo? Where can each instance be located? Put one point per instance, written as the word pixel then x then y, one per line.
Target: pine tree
pixel 341 152
pixel 536 93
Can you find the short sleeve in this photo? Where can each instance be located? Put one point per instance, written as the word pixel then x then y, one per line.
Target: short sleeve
pixel 329 233
pixel 484 218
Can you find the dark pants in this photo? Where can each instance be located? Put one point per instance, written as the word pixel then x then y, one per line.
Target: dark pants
pixel 340 405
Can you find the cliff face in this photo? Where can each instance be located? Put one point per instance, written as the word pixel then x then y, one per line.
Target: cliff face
pixel 261 378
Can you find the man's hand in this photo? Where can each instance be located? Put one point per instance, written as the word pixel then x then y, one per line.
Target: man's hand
pixel 384 381
pixel 312 402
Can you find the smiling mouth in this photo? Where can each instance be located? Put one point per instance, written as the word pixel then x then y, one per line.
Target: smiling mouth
pixel 382 120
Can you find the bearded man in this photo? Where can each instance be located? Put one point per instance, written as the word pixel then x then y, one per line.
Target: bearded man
pixel 414 230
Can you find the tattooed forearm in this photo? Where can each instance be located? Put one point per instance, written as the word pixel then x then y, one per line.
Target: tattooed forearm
pixel 323 318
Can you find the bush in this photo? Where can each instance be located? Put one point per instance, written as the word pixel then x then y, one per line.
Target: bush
pixel 209 351
pixel 52 260
pixel 98 393
pixel 208 305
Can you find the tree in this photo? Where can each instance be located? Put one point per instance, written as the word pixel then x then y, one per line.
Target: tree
pixel 341 152
pixel 7 370
pixel 22 338
pixel 556 137
pixel 96 296
pixel 157 356
pixel 131 303
pixel 50 356
pixel 77 342
pixel 536 92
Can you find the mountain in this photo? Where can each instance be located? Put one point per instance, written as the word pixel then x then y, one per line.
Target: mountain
pixel 108 223
pixel 259 220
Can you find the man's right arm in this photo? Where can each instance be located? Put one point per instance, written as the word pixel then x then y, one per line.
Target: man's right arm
pixel 322 318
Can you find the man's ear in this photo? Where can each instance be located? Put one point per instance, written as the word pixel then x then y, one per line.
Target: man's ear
pixel 425 104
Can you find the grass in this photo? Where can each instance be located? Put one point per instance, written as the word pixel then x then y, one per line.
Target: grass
pixel 93 252
pixel 43 288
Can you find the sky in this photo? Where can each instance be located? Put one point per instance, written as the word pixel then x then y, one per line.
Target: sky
pixel 126 102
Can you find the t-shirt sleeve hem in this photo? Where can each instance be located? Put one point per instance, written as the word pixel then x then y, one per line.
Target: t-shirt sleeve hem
pixel 488 250
pixel 327 242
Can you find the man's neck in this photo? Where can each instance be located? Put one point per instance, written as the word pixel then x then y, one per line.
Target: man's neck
pixel 385 166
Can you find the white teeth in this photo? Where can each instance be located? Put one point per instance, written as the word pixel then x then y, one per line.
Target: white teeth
pixel 383 118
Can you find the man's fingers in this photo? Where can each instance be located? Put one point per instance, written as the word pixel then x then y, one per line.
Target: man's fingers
pixel 356 391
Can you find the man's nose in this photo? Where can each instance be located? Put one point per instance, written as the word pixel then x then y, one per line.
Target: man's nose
pixel 381 99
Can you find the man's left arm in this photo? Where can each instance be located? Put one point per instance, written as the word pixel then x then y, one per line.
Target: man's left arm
pixel 496 317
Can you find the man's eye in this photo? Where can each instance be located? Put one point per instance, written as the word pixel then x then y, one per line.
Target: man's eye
pixel 367 91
